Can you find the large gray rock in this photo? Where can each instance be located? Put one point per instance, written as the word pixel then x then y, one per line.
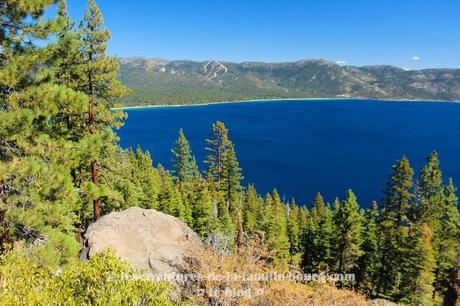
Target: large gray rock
pixel 147 239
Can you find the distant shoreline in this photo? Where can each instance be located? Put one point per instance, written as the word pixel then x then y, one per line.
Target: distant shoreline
pixel 274 100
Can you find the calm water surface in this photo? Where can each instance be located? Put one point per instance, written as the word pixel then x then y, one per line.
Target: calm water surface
pixel 301 147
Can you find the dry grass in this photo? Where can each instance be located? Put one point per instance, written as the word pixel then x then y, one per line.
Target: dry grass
pixel 254 260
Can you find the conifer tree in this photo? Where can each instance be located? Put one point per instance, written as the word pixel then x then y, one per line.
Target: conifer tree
pixel 319 244
pixel 399 193
pixel 203 223
pixel 183 161
pixel 98 74
pixel 252 211
pixel 170 200
pixel 275 225
pixel 67 57
pixel 369 262
pixel 430 188
pixel 391 240
pixel 417 267
pixel 394 220
pixel 224 176
pixel 293 229
pixel 302 221
pixel 226 226
pixel 348 222
pixel 217 149
pixel 37 198
pixel 133 177
pixel 446 241
pixel 231 177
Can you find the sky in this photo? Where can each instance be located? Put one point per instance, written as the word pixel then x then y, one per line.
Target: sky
pixel 412 34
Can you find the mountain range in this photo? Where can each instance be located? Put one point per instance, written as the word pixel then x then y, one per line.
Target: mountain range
pixel 158 81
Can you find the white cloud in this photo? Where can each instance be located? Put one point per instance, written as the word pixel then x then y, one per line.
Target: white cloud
pixel 341 62
pixel 415 58
pixel 406 69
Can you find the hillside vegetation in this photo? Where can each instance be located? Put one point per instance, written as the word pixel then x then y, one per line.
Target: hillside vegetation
pixel 156 81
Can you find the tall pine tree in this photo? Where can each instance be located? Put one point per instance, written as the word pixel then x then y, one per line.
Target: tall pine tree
pixel 393 226
pixel 446 244
pixel 369 262
pixel 98 74
pixel 217 147
pixel 183 161
pixel 37 198
pixel 349 224
pixel 319 245
pixel 231 178
pixel 275 226
pixel 429 187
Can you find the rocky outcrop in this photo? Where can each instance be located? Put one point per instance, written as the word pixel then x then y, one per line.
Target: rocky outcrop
pixel 382 302
pixel 147 239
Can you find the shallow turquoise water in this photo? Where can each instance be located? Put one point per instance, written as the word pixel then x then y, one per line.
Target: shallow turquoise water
pixel 301 147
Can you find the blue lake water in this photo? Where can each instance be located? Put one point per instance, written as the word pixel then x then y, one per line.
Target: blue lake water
pixel 301 147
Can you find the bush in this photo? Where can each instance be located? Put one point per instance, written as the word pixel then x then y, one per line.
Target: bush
pixel 103 280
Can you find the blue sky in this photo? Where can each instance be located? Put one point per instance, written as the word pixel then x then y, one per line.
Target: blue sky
pixel 412 34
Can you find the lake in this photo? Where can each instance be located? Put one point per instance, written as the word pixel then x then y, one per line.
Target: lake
pixel 300 147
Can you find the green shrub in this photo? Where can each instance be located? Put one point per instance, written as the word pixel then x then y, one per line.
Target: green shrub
pixel 103 280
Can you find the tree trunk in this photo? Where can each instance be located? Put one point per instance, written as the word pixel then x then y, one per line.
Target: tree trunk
pixel 218 163
pixel 90 100
pixel 457 281
pixel 2 188
pixel 95 179
pixel 69 121
pixel 79 236
pixel 3 225
pixel 94 172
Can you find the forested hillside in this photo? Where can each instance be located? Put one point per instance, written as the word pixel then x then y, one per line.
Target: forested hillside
pixel 156 81
pixel 61 168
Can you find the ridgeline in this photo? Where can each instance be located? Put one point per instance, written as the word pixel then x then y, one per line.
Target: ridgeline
pixel 157 81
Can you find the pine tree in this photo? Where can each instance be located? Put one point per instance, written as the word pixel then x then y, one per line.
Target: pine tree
pixel 203 223
pixel 226 226
pixel 369 262
pixel 170 199
pixel 223 174
pixel 394 220
pixel 217 149
pixel 417 267
pixel 293 229
pixel 275 226
pixel 37 198
pixel 98 74
pixel 231 177
pixel 252 211
pixel 183 162
pixel 348 222
pixel 319 244
pixel 446 241
pixel 430 189
pixel 148 178
pixel 391 240
pixel 302 221
pixel 67 57
pixel 399 193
